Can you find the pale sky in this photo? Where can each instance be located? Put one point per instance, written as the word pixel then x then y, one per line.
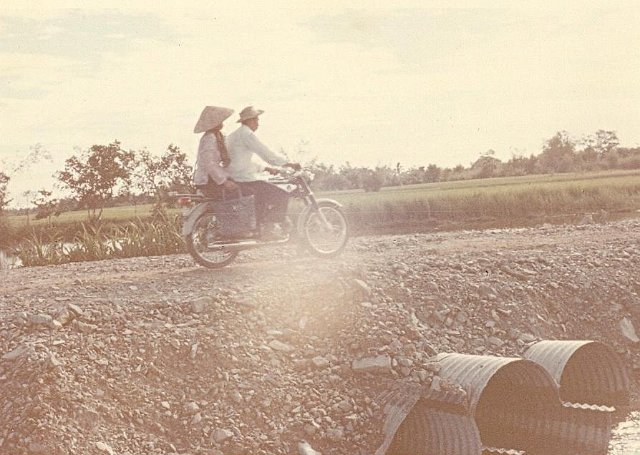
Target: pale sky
pixel 372 83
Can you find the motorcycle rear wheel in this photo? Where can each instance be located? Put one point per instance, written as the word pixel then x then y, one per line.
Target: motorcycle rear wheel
pixel 201 243
pixel 325 240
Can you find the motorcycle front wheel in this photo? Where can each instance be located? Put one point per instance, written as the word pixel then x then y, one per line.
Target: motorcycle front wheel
pixel 203 243
pixel 325 235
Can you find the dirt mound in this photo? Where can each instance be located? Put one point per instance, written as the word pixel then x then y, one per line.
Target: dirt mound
pixel 155 355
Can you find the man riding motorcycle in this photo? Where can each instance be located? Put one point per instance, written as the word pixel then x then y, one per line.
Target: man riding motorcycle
pixel 271 201
pixel 229 165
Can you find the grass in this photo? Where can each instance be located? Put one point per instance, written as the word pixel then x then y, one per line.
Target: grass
pixel 533 195
pixel 159 235
pixel 497 201
pixel 109 213
pixel 513 201
pixel 500 185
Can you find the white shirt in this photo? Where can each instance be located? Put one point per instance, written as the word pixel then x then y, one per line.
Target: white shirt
pixel 242 144
pixel 208 162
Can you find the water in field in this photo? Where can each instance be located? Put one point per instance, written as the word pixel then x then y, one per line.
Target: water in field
pixel 625 439
pixel 8 262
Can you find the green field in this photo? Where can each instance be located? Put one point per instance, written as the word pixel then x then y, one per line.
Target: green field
pixel 509 198
pixel 499 202
pixel 504 185
pixel 513 201
pixel 109 213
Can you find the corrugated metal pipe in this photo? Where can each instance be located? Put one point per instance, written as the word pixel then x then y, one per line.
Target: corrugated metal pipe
pixel 561 394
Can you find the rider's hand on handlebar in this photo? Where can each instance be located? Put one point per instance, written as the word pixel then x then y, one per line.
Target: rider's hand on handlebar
pixel 272 170
pixel 294 166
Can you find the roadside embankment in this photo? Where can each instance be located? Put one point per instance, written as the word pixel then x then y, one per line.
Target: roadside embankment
pixel 156 355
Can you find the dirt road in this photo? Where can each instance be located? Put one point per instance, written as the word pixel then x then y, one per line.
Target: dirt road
pixel 157 355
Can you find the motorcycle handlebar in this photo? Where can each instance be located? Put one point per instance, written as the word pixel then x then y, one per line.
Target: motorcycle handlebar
pixel 289 173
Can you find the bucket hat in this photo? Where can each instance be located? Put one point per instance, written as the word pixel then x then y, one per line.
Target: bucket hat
pixel 249 112
pixel 211 117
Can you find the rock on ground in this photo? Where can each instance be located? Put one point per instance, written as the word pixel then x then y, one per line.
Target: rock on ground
pixel 156 355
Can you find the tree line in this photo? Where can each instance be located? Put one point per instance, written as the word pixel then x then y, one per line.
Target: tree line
pixel 560 154
pixel 108 175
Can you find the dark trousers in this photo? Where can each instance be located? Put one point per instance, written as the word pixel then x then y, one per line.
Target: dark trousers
pixel 211 190
pixel 271 201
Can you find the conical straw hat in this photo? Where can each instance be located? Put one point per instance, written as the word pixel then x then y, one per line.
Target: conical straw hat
pixel 211 117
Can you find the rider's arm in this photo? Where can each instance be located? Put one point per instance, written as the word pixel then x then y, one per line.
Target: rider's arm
pixel 254 144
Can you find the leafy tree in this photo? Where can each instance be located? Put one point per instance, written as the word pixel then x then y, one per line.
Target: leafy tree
pixel 388 175
pixel 97 175
pixel 4 194
pixel 413 175
pixel 486 166
pixel 156 175
pixel 12 168
pixel 46 205
pixel 588 159
pixel 558 154
pixel 457 173
pixel 326 177
pixel 399 172
pixel 520 165
pixel 599 151
pixel 629 158
pixel 351 176
pixel 602 142
pixel 432 174
pixel 372 181
pixel 36 154
pixel 5 228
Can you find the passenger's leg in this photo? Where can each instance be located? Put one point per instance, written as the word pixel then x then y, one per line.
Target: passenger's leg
pixel 211 190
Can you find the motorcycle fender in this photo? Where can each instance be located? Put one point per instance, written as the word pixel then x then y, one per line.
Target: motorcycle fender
pixel 190 219
pixel 309 208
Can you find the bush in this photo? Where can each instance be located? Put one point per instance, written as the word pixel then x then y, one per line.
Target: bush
pixel 97 240
pixel 7 234
pixel 372 182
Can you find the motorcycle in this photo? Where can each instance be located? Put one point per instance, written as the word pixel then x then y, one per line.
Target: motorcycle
pixel 321 228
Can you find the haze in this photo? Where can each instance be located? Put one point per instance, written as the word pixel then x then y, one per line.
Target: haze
pixel 415 82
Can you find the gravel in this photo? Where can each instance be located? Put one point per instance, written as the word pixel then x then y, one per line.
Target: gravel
pixel 280 353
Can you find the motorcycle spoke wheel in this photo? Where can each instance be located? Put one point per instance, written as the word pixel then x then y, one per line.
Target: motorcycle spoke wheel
pixel 326 239
pixel 205 246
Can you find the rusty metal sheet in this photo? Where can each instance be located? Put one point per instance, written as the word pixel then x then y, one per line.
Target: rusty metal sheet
pixel 474 372
pixel 429 431
pixel 510 405
pixel 586 371
pixel 397 402
pixel 576 431
pixel 420 420
pixel 504 391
